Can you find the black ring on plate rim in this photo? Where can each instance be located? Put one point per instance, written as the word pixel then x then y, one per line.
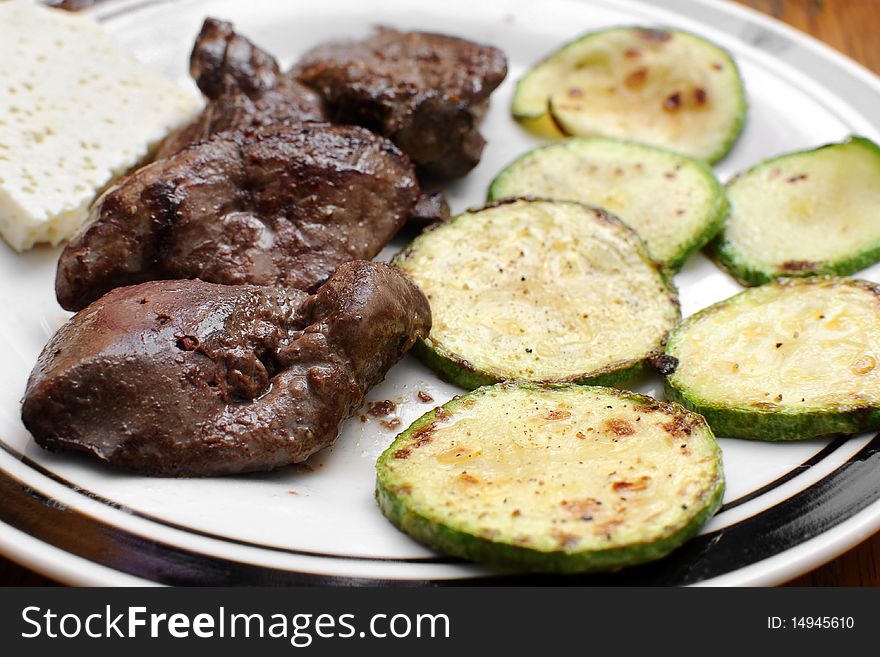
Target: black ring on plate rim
pixel 814 510
pixel 36 466
pixel 826 451
pixel 816 458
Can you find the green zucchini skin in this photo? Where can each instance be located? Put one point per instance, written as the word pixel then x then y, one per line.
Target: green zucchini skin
pixel 449 540
pixel 459 371
pixel 751 274
pixel 719 216
pixel 716 214
pixel 474 548
pixel 778 423
pixel 777 426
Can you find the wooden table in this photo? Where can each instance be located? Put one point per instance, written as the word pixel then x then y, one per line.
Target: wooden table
pixel 849 26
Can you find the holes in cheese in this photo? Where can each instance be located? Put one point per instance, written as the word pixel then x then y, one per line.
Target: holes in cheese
pixel 76 111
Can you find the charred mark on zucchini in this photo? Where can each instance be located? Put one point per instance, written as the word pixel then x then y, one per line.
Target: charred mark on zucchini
pixel 657 36
pixel 791 266
pixel 637 78
pixel 678 426
pixel 619 427
pixel 663 364
pixel 555 414
pixel 672 102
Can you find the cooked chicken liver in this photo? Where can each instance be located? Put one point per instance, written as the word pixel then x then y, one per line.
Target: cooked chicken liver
pixel 425 92
pixel 182 378
pixel 271 206
pixel 244 87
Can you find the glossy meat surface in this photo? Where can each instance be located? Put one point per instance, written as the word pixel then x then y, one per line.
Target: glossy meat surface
pixel 425 92
pixel 191 378
pixel 244 88
pixel 272 206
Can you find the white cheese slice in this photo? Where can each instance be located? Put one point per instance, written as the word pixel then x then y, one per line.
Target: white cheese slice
pixel 76 112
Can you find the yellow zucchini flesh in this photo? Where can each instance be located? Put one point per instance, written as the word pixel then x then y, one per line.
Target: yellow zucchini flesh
pixel 673 202
pixel 790 360
pixel 663 87
pixel 538 290
pixel 804 213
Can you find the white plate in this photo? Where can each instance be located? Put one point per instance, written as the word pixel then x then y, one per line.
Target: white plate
pixel 789 507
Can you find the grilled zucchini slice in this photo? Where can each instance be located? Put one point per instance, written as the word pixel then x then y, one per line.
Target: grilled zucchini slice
pixel 805 213
pixel 538 290
pixel 673 202
pixel 555 479
pixel 663 87
pixel 793 359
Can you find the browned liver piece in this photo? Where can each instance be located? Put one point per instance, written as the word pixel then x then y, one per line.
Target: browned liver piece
pixel 182 377
pixel 426 92
pixel 243 86
pixel 271 206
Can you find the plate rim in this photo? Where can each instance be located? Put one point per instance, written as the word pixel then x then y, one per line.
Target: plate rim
pixel 165 561
pixel 31 552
